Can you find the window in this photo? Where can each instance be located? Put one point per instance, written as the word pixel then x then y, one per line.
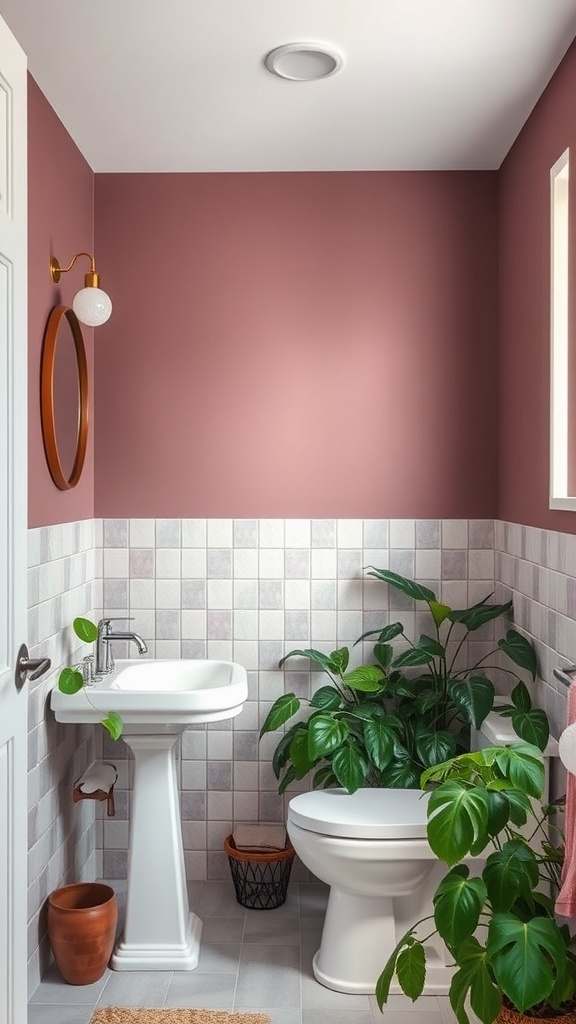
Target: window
pixel 562 452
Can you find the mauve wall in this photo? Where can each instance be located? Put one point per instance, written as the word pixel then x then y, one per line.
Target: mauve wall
pixel 524 332
pixel 60 223
pixel 288 345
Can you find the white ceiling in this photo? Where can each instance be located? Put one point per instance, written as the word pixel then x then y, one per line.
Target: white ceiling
pixel 179 85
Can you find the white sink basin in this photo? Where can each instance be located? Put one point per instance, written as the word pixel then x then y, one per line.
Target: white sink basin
pixel 158 692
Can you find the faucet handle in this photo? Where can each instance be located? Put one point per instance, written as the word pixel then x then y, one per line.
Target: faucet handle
pixel 105 623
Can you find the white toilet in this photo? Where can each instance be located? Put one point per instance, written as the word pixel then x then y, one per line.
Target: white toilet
pixel 370 847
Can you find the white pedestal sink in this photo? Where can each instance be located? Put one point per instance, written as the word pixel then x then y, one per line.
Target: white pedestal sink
pixel 157 700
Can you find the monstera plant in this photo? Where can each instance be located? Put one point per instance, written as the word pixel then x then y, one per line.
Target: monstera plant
pixel 382 724
pixel 514 960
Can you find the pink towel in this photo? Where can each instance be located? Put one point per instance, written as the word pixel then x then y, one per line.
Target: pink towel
pixel 566 902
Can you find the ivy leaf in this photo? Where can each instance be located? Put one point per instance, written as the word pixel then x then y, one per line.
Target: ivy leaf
pixel 114 724
pixel 434 747
pixel 85 630
pixel 532 726
pixel 70 681
pixel 379 742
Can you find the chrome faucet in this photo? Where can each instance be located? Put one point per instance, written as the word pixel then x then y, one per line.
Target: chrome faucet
pixel 104 659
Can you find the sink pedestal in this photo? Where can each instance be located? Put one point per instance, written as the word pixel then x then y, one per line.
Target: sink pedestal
pixel 160 933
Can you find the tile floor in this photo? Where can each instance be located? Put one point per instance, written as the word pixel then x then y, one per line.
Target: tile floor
pixel 250 960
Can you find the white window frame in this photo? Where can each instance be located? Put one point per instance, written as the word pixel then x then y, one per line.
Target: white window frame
pixel 559 335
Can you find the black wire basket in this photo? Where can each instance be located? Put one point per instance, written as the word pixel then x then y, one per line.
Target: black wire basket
pixel 260 879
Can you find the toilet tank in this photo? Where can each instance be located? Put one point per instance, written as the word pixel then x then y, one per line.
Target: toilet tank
pixel 497 731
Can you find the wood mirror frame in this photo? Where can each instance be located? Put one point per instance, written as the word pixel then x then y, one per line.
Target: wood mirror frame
pixel 47 405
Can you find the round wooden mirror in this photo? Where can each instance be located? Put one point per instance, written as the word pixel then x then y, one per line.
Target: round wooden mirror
pixel 64 397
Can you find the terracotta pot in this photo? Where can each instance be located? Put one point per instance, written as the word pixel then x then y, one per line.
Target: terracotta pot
pixel 510 1016
pixel 81 929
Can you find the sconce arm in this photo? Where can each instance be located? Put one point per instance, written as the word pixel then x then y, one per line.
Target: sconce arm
pixel 91 279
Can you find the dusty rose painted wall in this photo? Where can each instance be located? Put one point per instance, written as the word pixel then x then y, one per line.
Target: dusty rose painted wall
pixel 525 304
pixel 297 345
pixel 60 223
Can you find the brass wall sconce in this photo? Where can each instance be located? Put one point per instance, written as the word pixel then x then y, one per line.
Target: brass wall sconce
pixel 91 304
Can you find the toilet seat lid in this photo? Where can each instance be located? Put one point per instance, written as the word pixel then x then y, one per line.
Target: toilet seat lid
pixel 365 814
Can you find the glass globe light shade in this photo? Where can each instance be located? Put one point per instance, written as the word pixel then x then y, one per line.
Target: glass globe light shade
pixel 92 306
pixel 567 748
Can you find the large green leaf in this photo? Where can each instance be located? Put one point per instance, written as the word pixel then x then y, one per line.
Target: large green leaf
pixel 520 651
pixel 385 633
pixel 384 654
pixel 86 630
pixel 282 751
pixel 413 656
pixel 70 681
pixel 434 747
pixel 299 755
pixel 525 957
pixel 385 979
pixel 289 776
pixel 350 766
pixel 474 696
pixel 379 742
pixel 457 820
pixel 520 697
pixel 281 710
pixel 458 902
pixel 409 587
pixel 401 773
pixel 430 644
pixel 532 726
pixel 411 969
pixel 479 614
pixel 327 698
pixel 499 812
pixel 509 873
pixel 324 778
pixel 474 979
pixel 326 661
pixel 367 678
pixel 520 807
pixel 523 765
pixel 325 734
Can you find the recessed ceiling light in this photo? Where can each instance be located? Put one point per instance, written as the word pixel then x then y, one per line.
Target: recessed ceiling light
pixel 303 62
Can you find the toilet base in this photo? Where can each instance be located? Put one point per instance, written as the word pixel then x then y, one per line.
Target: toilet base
pixel 361 932
pixel 438 979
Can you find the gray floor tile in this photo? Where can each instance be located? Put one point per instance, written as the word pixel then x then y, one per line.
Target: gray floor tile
pixel 215 930
pixel 218 958
pixel 136 988
pixel 317 997
pixel 261 927
pixel 268 976
pixel 53 989
pixel 426 1004
pixel 59 1013
pixel 218 899
pixel 209 991
pixel 410 1017
pixel 337 1016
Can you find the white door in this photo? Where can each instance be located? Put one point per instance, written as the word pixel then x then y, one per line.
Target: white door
pixel 13 533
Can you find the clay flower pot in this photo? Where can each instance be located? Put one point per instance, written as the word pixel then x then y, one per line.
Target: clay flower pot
pixel 81 929
pixel 508 1015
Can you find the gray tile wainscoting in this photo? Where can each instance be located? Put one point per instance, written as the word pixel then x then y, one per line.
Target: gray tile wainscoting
pixel 249 590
